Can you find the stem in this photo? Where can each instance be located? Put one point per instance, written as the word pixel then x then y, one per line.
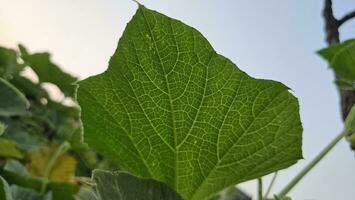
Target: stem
pixel 60 151
pixel 270 186
pixel 311 165
pixel 260 188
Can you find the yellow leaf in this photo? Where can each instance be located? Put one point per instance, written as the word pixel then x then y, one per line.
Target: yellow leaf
pixel 62 170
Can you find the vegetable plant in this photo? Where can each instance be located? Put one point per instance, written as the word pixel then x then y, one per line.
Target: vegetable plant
pixel 169 119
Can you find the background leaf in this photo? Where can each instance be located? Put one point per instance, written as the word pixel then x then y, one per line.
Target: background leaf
pixel 169 107
pixel 5 191
pixel 12 101
pixel 8 149
pixel 123 186
pixel 47 71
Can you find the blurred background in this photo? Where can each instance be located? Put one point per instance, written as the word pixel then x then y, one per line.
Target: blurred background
pixel 268 39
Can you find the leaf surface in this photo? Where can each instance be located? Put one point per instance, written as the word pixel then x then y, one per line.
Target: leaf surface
pixel 12 101
pixel 171 108
pixel 343 62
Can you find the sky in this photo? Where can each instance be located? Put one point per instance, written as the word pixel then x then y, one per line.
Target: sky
pixel 267 39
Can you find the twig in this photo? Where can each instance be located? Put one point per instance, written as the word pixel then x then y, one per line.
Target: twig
pixel 346 18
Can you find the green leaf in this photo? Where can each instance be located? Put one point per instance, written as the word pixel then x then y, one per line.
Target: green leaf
pixel 47 71
pixel 29 89
pixel 122 186
pixel 9 67
pixel 2 128
pixel 12 101
pixel 170 108
pixel 5 191
pixel 329 52
pixel 343 62
pixel 59 190
pixel 8 149
pixel 20 193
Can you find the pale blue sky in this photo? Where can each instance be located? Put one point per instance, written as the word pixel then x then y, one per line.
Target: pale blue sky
pixel 268 39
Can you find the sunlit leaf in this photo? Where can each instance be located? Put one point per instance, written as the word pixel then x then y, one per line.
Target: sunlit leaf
pixel 170 108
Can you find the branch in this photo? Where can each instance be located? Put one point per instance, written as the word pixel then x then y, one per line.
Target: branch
pixel 346 18
pixel 331 23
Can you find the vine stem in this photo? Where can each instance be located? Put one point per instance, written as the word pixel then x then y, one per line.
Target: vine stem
pixel 270 185
pixel 260 188
pixel 64 147
pixel 311 165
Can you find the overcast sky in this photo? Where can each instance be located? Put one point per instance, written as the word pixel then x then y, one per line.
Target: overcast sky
pixel 270 39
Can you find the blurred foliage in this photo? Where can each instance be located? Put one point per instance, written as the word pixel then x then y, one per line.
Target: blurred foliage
pixel 34 128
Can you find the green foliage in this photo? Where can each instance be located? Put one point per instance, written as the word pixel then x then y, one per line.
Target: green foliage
pixel 9 67
pixel 170 108
pixel 2 128
pixel 5 192
pixel 341 58
pixel 122 186
pixel 12 101
pixel 8 149
pixel 47 71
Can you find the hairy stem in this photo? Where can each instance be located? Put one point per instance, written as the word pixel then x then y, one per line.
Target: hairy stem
pixel 311 165
pixel 260 188
pixel 270 185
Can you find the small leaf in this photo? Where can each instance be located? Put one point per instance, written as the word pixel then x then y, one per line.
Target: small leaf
pixel 123 186
pixel 15 167
pixel 5 191
pixel 329 52
pixel 172 109
pixel 9 67
pixel 12 101
pixel 8 149
pixel 47 71
pixel 343 62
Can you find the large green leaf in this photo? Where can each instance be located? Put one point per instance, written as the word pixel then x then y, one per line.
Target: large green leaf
pixel 124 186
pixel 47 71
pixel 169 107
pixel 12 101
